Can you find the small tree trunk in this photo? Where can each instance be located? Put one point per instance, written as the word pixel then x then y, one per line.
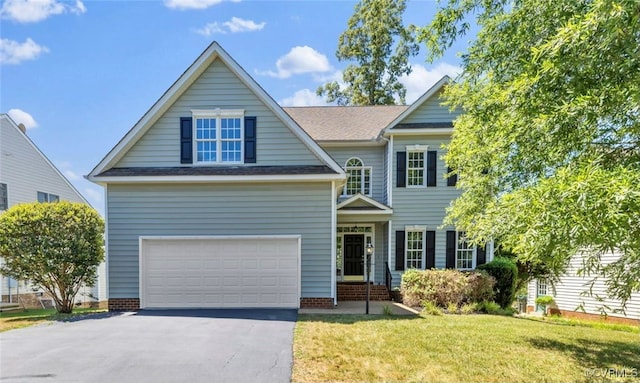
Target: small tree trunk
pixel 65 307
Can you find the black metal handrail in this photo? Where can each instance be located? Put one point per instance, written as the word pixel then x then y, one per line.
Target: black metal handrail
pixel 387 276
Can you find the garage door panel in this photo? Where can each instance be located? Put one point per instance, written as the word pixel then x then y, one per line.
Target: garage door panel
pixel 220 272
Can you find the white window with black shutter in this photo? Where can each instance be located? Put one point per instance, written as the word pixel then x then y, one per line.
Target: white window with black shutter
pixel 415 248
pixel 218 136
pixel 416 167
pixel 461 255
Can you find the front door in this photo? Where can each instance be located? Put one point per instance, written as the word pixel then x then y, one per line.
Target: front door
pixel 353 255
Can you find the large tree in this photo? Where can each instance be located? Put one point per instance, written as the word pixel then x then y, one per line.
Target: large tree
pixel 547 148
pixel 379 46
pixel 56 246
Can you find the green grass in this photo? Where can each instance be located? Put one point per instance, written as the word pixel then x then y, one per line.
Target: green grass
pixel 458 348
pixel 10 320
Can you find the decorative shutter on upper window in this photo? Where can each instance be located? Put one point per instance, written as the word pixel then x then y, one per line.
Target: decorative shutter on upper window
pixel 401 169
pixel 431 250
pixel 399 250
pixel 481 252
pixel 186 140
pixel 250 136
pixel 452 179
pixel 432 164
pixel 451 249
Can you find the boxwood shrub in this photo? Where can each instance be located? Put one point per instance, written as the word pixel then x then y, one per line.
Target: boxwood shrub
pixel 505 271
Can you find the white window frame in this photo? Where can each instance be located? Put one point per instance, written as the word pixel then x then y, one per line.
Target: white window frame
pixel 420 149
pixel 48 197
pixel 363 172
pixel 540 285
pixel 423 232
pixel 218 115
pixel 468 249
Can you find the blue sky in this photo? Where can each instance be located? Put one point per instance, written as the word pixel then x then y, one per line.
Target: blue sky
pixel 79 74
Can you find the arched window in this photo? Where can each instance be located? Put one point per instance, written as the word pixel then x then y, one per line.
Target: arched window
pixel 359 180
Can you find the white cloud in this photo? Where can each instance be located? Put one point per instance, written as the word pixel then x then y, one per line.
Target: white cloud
pixel 13 52
pixel 304 97
pixel 421 78
pixel 190 4
pixel 299 60
pixel 235 25
pixel 22 117
pixel 32 11
pixel 71 175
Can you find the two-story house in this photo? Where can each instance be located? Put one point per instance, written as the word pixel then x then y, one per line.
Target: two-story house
pixel 219 197
pixel 27 175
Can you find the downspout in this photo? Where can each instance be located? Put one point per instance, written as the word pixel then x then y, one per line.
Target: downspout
pixel 334 229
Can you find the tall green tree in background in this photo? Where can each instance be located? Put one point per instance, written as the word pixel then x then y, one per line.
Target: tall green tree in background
pixel 380 46
pixel 547 151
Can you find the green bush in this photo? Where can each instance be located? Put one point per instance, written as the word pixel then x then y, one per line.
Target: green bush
pixel 445 288
pixel 489 307
pixel 469 308
pixel 431 308
pixel 544 302
pixel 505 271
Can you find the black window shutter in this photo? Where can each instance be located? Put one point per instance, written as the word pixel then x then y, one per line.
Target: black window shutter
pixel 432 163
pixel 186 140
pixel 431 250
pixel 451 249
pixel 250 150
pixel 452 179
pixel 401 169
pixel 399 250
pixel 481 255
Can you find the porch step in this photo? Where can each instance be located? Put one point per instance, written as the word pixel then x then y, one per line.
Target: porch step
pixel 357 291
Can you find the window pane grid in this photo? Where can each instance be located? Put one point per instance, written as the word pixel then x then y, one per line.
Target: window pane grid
pixel 222 135
pixel 359 180
pixel 415 168
pixel 464 253
pixel 415 249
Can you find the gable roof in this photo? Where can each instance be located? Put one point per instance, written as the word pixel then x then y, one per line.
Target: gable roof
pixel 361 204
pixel 13 125
pixel 396 126
pixel 213 52
pixel 345 123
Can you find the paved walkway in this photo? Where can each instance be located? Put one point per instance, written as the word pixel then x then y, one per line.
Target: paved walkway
pixel 358 307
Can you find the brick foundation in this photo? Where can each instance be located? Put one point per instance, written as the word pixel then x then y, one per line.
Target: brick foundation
pixel 357 291
pixel 316 303
pixel 124 304
pixel 588 316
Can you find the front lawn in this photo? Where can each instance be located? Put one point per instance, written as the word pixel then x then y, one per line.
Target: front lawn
pixel 10 320
pixel 459 348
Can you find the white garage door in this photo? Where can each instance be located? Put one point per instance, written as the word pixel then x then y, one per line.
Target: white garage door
pixel 210 272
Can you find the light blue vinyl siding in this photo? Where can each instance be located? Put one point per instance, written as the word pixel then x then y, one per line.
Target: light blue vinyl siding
pixel 372 156
pixel 218 87
pixel 424 206
pixel 219 209
pixel 431 110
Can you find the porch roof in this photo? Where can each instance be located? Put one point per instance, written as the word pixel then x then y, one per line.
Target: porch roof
pixel 361 205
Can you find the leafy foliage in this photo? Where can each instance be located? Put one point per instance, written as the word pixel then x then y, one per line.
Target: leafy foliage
pixel 380 45
pixel 57 246
pixel 505 273
pixel 445 287
pixel 547 150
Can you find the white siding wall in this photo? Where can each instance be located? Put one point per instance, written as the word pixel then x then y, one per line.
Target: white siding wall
pixel 26 172
pixel 218 87
pixel 568 291
pixel 221 209
pixel 370 156
pixel 421 206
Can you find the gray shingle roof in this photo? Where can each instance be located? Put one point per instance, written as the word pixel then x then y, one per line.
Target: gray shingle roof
pixel 216 171
pixel 344 123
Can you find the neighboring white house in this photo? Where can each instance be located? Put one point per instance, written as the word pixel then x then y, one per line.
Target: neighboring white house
pixel 571 292
pixel 27 175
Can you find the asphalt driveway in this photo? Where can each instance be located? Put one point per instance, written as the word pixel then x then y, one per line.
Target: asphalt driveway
pixel 154 346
